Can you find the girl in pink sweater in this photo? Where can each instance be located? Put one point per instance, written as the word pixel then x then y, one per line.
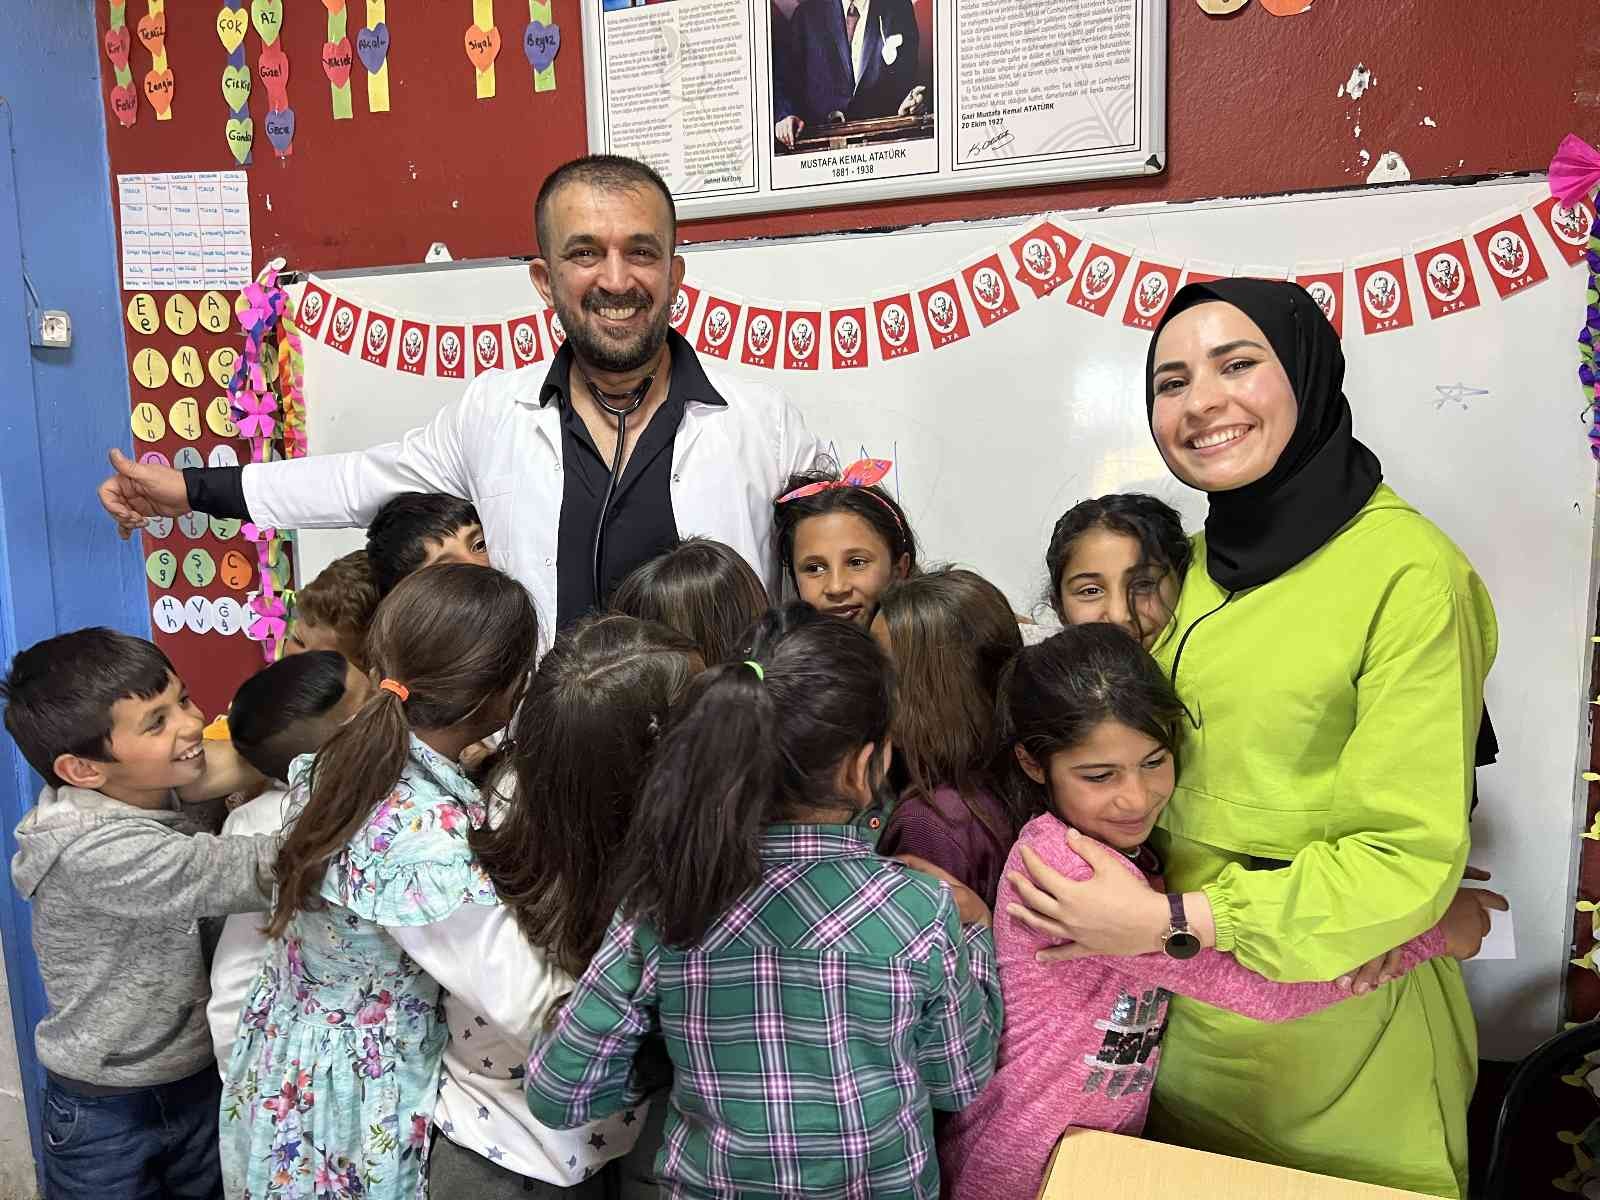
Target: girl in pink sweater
pixel 1094 725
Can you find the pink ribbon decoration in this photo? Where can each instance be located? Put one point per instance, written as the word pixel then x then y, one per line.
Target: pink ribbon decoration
pixel 270 623
pixel 256 411
pixel 862 473
pixel 1574 171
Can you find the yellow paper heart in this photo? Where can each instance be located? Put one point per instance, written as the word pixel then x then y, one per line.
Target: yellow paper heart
pixel 231 25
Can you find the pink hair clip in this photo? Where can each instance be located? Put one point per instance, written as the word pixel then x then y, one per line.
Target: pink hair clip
pixel 862 473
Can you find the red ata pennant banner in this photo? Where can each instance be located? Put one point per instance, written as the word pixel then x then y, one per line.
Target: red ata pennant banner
pixel 378 339
pixel 450 352
pixel 1044 257
pixel 716 327
pixel 683 308
pixel 488 348
pixel 942 314
pixel 847 334
pixel 313 307
pixel 413 355
pixel 1509 253
pixel 341 331
pixel 1153 285
pixel 1447 282
pixel 990 291
pixel 897 333
pixel 760 348
pixel 1385 299
pixel 1326 287
pixel 558 335
pixel 802 341
pixel 522 335
pixel 1568 227
pixel 1103 269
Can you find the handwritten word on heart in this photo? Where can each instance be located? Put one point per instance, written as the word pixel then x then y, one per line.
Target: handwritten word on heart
pixel 268 18
pixel 125 103
pixel 373 47
pixel 483 46
pixel 336 59
pixel 540 43
pixel 280 130
pixel 231 26
pixel 236 87
pixel 273 67
pixel 158 90
pixel 117 45
pixel 153 32
pixel 241 135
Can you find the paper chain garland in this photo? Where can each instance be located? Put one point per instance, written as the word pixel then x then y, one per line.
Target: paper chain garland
pixel 265 399
pixel 1574 174
pixel 1096 276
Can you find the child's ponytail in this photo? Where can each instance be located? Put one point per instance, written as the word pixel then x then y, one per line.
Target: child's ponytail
pixel 756 742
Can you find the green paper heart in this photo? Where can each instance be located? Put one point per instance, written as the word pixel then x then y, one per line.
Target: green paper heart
pixel 267 15
pixel 240 136
pixel 236 87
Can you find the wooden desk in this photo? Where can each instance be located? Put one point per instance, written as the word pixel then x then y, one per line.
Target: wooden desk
pixel 1088 1163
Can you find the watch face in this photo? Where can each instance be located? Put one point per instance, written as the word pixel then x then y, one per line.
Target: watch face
pixel 1182 944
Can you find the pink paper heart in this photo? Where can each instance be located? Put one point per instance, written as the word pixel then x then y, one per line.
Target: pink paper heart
pixel 118 43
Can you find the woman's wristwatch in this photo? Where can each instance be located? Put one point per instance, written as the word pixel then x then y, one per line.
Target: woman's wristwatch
pixel 1179 941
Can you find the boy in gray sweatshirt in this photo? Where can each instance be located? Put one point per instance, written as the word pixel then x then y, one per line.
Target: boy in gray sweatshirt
pixel 119 875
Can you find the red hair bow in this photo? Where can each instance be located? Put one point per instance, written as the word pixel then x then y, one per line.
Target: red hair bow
pixel 862 473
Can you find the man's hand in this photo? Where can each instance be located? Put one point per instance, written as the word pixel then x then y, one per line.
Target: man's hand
pixel 138 491
pixel 969 905
pixel 915 103
pixel 787 130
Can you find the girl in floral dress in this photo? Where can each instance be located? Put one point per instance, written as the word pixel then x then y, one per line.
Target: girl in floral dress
pixel 333 1078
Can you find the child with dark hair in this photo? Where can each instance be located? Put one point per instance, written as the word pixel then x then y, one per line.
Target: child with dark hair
pixel 701 588
pixel 581 744
pixel 843 539
pixel 818 1002
pixel 289 709
pixel 118 874
pixel 417 529
pixel 950 633
pixel 334 610
pixel 332 1082
pixel 1119 558
pixel 1094 727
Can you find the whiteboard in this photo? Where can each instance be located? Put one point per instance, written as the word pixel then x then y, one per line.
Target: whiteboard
pixel 995 436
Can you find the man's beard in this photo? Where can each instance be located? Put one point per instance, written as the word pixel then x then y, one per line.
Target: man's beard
pixel 607 355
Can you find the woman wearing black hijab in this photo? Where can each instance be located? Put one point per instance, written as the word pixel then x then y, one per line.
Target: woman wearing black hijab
pixel 1331 651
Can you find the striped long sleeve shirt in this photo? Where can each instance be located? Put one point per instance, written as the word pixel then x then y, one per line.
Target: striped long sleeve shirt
pixel 812 1030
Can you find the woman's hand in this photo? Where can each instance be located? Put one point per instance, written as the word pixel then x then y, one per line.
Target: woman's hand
pixel 969 905
pixel 1112 912
pixel 1465 922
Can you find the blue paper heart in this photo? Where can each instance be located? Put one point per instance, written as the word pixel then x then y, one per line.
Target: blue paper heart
pixel 280 129
pixel 373 47
pixel 540 43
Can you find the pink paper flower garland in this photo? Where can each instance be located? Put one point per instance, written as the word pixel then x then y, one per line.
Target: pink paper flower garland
pixel 1574 175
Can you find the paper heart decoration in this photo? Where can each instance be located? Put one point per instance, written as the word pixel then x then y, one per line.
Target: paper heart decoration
pixel 231 26
pixel 241 135
pixel 483 46
pixel 153 32
pixel 158 90
pixel 267 17
pixel 125 103
pixel 236 87
pixel 333 6
pixel 336 60
pixel 373 47
pixel 1574 171
pixel 273 67
pixel 117 45
pixel 280 129
pixel 540 43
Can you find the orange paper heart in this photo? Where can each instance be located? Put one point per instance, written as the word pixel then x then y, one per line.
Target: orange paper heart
pixel 333 6
pixel 483 46
pixel 153 32
pixel 158 90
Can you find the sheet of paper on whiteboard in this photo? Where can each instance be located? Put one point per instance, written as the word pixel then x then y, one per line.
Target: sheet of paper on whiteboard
pixel 184 229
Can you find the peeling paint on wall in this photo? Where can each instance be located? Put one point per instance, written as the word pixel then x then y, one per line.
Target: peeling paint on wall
pixel 1360 80
pixel 1391 168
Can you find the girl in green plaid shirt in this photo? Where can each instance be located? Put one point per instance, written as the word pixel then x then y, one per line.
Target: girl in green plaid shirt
pixel 818 1002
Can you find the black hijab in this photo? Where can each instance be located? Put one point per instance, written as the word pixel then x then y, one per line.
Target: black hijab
pixel 1322 478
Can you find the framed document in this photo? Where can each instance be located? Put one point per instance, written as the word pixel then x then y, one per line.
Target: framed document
pixel 764 105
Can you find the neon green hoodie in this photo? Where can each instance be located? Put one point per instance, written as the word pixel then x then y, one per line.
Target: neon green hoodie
pixel 1338 710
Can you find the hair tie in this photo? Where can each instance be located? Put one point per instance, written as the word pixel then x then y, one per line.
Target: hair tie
pixel 756 667
pixel 862 474
pixel 398 688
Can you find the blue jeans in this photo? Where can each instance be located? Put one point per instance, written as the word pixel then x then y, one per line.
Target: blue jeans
pixel 148 1144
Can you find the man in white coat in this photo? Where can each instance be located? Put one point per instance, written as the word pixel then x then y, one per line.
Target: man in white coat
pixel 580 471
